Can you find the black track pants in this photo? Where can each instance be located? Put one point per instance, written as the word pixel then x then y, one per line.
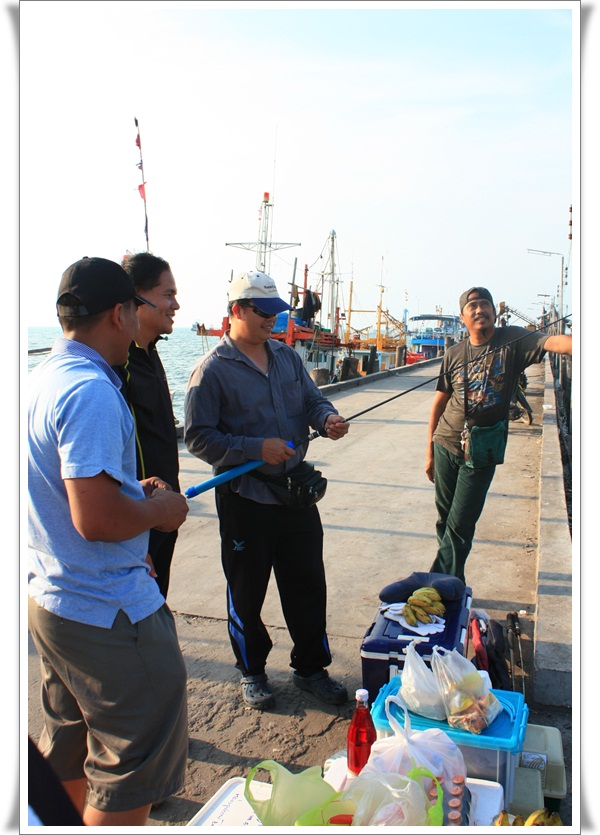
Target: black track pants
pixel 256 538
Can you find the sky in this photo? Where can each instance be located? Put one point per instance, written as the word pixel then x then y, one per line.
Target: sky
pixel 438 143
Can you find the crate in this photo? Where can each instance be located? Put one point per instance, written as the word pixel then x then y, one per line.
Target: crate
pixel 382 650
pixel 543 751
pixel 491 755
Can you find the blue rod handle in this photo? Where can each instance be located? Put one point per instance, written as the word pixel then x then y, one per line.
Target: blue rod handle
pixel 226 476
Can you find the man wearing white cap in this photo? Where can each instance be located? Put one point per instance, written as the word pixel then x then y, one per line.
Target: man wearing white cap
pixel 247 399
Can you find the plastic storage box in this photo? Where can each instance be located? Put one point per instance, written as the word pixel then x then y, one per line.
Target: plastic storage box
pixel 543 750
pixel 229 807
pixel 382 653
pixel 491 755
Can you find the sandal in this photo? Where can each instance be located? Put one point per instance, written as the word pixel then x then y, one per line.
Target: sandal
pixel 323 687
pixel 256 692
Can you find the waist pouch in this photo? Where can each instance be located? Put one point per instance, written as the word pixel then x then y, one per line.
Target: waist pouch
pixel 485 446
pixel 301 487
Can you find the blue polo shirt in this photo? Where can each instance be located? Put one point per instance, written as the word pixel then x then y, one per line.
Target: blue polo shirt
pixel 80 426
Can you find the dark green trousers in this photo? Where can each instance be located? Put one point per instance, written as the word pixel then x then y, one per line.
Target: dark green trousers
pixel 460 494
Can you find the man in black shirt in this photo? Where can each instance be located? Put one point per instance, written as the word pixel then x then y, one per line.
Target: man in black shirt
pixel 146 390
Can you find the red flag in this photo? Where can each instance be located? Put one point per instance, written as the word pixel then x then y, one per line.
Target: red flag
pixel 142 191
pixel 137 141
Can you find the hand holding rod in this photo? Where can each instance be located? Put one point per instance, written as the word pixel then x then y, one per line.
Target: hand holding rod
pixel 228 475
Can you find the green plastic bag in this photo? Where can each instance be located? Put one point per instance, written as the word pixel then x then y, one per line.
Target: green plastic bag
pixel 291 796
pixel 435 813
pixel 334 812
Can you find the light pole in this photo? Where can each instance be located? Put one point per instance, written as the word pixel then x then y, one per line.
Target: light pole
pixel 562 281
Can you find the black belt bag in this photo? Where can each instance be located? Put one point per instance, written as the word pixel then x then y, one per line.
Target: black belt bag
pixel 299 488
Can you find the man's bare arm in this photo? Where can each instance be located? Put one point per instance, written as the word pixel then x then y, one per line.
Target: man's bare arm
pixel 101 512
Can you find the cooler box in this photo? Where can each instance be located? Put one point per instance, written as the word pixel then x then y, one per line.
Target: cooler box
pixel 382 654
pixel 491 755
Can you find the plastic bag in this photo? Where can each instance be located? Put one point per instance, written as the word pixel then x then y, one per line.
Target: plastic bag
pixel 432 749
pixel 419 687
pixel 337 811
pixel 291 796
pixel 470 704
pixel 386 799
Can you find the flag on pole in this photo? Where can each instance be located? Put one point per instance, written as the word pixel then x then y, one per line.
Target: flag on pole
pixel 142 191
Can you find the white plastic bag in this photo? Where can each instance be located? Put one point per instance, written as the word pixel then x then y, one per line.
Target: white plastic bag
pixel 383 799
pixel 419 687
pixel 470 705
pixel 432 749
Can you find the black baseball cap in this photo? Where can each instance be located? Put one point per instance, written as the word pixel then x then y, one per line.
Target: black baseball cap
pixel 482 293
pixel 98 284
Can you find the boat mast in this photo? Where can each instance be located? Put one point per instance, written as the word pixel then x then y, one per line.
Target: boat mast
pixel 379 309
pixel 333 299
pixel 264 246
pixel 348 326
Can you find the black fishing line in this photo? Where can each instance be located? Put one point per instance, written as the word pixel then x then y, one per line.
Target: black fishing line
pixel 323 434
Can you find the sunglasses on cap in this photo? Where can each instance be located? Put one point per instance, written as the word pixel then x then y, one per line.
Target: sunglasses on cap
pixel 258 311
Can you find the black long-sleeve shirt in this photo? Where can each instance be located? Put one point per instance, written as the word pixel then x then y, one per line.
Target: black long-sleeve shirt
pixel 146 389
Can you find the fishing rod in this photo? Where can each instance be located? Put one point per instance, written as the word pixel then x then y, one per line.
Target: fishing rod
pixel 234 472
pixel 227 475
pixel 314 435
pixel 515 626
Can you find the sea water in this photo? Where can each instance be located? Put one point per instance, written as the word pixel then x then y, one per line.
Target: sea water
pixel 178 351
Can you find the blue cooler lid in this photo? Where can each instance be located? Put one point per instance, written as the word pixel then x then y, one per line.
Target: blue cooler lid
pixel 506 733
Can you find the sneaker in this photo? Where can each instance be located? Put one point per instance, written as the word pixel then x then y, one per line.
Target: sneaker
pixel 323 687
pixel 256 692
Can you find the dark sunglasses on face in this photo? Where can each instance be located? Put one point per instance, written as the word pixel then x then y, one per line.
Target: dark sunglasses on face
pixel 258 311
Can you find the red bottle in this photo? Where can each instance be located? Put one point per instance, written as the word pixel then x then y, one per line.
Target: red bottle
pixel 361 734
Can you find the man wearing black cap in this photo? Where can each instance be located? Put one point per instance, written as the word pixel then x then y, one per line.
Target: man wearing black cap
pixel 246 399
pixel 114 679
pixel 477 381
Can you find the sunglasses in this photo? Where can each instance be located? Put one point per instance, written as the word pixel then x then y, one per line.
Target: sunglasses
pixel 258 311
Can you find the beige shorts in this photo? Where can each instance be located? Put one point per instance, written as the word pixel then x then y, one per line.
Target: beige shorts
pixel 114 706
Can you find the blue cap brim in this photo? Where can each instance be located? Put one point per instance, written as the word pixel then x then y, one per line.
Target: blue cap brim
pixel 271 306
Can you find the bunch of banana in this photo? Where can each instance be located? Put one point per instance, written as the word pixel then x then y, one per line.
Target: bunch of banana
pixel 423 603
pixel 541 817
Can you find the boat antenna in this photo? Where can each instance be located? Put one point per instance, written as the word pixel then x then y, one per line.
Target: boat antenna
pixel 142 187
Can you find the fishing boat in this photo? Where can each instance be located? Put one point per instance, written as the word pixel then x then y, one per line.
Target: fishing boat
pixel 317 327
pixel 429 334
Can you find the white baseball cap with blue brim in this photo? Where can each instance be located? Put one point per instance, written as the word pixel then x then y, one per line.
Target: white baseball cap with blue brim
pixel 258 288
